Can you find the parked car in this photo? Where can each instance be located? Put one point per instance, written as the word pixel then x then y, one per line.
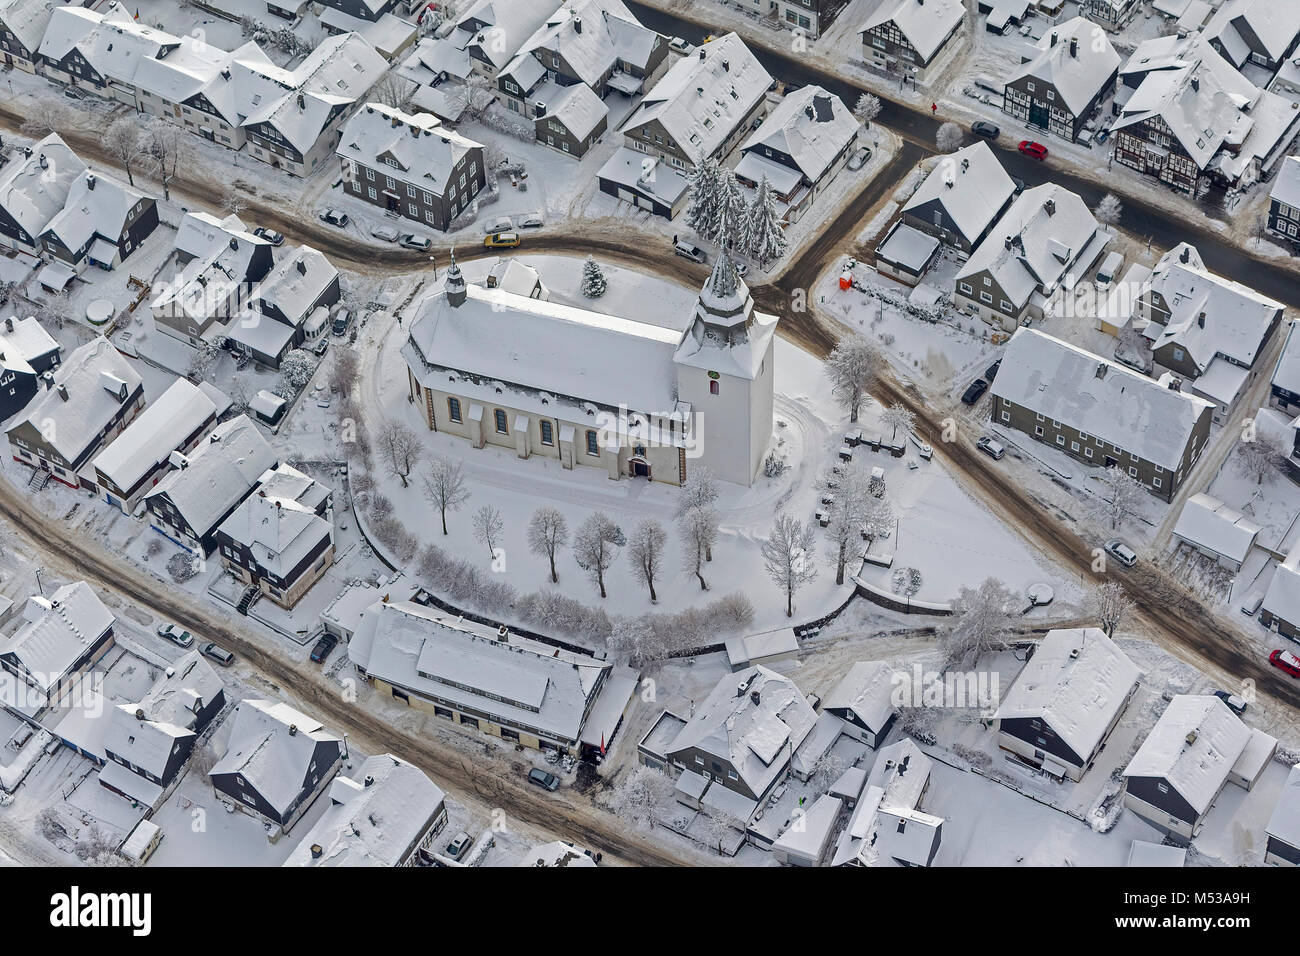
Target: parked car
pixel 459 844
pixel 1102 136
pixel 860 158
pixel 1121 552
pixel 532 220
pixel 1033 150
pixel 678 45
pixel 1285 661
pixel 386 233
pixel 688 251
pixel 985 129
pixel 270 235
pixel 499 224
pixel 991 372
pixel 502 240
pixel 418 243
pixel 342 319
pixel 547 781
pixel 335 217
pixel 991 448
pixel 742 269
pixel 1235 703
pixel 323 648
pixel 974 391
pixel 177 636
pixel 218 654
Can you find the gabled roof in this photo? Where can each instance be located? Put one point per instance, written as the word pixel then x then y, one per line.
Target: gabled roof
pixel 34 186
pixel 221 470
pixel 156 432
pixel 1192 747
pixel 113 42
pixel 1286 188
pixel 1209 523
pixel 754 719
pixel 272 745
pixel 925 25
pixel 1284 824
pixel 1282 599
pixel 1048 227
pixel 886 827
pixel 867 691
pixel 56 631
pixel 374 818
pixel 70 425
pixel 27 341
pixel 971 185
pixel 1076 682
pixel 97 205
pixel 296 282
pixel 1246 25
pixel 27 20
pixel 591 36
pixel 508 27
pixel 1077 58
pixel 279 529
pixel 1099 397
pixel 703 97
pixel 811 126
pixel 576 106
pixel 425 151
pixel 1287 374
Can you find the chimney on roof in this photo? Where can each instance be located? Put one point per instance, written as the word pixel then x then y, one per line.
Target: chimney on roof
pixel 1101 369
pixel 48 377
pixel 1009 241
pixel 754 696
pixel 317 851
pixel 45 163
pixel 1074 47
pixel 965 165
pixel 302 101
pixel 1050 207
pixel 577 24
pixel 1191 737
pixel 1053 38
pixel 1196 82
pixel 139 713
pixel 63 392
pixel 1185 256
pixel 293 730
pixel 9 324
pixel 90 180
pixel 503 633
pixel 701 53
pixel 726 65
pixel 302 267
pixel 234 243
pixel 369 781
pixel 1200 321
pixel 1175 384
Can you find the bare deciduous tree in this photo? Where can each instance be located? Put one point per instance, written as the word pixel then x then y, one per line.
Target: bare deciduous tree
pixel 699 531
pixel 596 545
pixel 400 449
pixel 855 512
pixel 444 487
pixel 948 137
pixel 489 527
pixel 169 150
pixel 1110 604
pixel 344 371
pixel 897 416
pixel 124 143
pixel 788 557
pixel 981 619
pixel 1120 496
pixel 1109 210
pixel 548 532
pixel 852 367
pixel 646 551
pixel 640 793
pixel 867 108
pixel 393 90
pixel 700 490
pixel 1261 457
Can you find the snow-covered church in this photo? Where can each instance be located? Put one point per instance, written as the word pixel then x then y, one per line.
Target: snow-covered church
pixel 636 399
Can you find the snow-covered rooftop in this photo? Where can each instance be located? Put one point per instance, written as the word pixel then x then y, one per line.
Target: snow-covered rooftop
pixel 971 185
pixel 26 341
pixel 1099 397
pixel 1284 824
pixel 1209 523
pixel 156 432
pixel 925 24
pixel 866 691
pixel 296 282
pixel 1272 24
pixel 1286 188
pixel 1287 374
pixel 96 206
pixel 27 20
pixel 590 36
pixel 278 522
pixel 34 185
pixel 887 827
pixel 375 818
pixel 1077 58
pixel 1076 682
pixel 56 631
pixel 811 126
pixel 273 747
pixel 1193 747
pixel 425 152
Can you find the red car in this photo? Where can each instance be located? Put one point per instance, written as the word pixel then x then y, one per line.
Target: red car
pixel 1285 661
pixel 1036 150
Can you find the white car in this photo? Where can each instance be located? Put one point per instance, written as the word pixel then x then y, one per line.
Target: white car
pixel 1121 552
pixel 499 224
pixel 532 220
pixel 386 233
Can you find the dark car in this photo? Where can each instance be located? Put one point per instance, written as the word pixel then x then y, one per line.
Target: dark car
pixel 547 781
pixel 335 217
pixel 218 654
pixel 1235 703
pixel 323 648
pixel 270 235
pixel 342 319
pixel 1033 150
pixel 985 129
pixel 991 372
pixel 974 391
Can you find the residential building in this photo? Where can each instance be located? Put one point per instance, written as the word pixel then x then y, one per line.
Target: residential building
pixel 410 165
pixel 702 107
pixel 520 690
pixel 387 815
pixel 810 18
pixel 141 455
pixel 888 826
pixel 744 735
pixel 707 388
pixel 1283 830
pixel 912 38
pixel 191 501
pixel 371 10
pixel 1046 241
pixel 1222 534
pixel 22 25
pixel 103 221
pixel 1284 204
pixel 1258 32
pixel 148 742
pixel 86 403
pixel 1099 412
pixel 301 284
pixel 1058 89
pixel 1066 702
pixel 1114 15
pixel 645 183
pixel 60 638
pixel 34 188
pixel 1284 388
pixel 864 700
pixel 491 32
pixel 1196 747
pixel 1280 611
pixel 27 352
pixel 1205 329
pixel 280 539
pixel 277 762
pixel 962 198
pixel 799 149
pixel 905 253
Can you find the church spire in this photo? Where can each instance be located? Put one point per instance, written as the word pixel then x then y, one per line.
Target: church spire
pixel 725 307
pixel 455 284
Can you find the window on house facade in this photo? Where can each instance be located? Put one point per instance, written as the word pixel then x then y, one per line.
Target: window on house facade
pixel 593 443
pixel 548 437
pixel 500 418
pixel 453 409
pixel 713 388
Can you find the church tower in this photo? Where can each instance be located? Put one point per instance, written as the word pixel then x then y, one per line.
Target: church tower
pixel 724 372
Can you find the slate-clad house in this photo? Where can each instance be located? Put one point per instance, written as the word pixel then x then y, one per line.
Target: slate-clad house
pixel 27 352
pixel 909 37
pixel 278 761
pixel 863 699
pixel 203 488
pixel 1258 32
pixel 62 635
pixel 962 198
pixel 1066 701
pixel 34 188
pixel 1099 412
pixel 410 165
pixel 1059 88
pixel 1114 15
pixel 299 283
pixel 1283 830
pixel 1284 389
pixel 1284 203
pixel 22 24
pixel 87 402
pixel 102 222
pixel 371 10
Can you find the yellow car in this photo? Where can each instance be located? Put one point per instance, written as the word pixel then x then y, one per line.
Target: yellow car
pixel 502 240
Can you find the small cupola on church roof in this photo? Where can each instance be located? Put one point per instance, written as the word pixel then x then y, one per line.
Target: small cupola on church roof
pixel 455 284
pixel 725 308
